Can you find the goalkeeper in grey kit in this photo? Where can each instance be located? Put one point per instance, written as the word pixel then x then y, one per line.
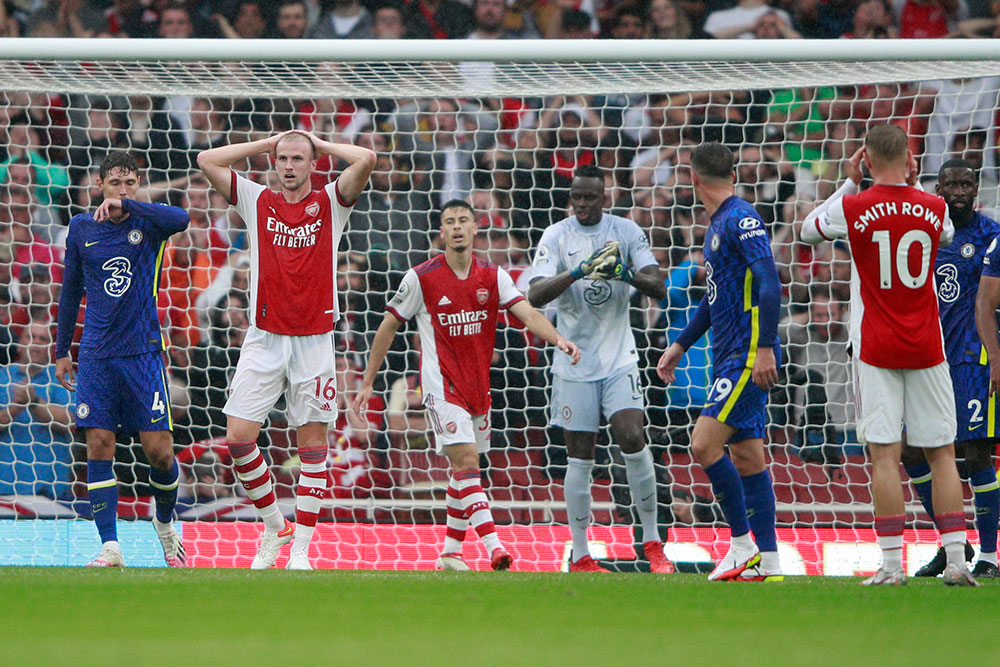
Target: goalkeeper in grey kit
pixel 589 264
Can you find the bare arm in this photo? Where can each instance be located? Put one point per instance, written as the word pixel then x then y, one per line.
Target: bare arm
pixel 539 325
pixel 649 281
pixel 216 163
pixel 380 347
pixel 987 301
pixel 361 162
pixel 543 290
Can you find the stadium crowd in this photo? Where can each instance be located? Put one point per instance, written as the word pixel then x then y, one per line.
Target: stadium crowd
pixel 512 158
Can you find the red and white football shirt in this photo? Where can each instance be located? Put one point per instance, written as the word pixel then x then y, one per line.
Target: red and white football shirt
pixel 457 322
pixel 894 232
pixel 293 256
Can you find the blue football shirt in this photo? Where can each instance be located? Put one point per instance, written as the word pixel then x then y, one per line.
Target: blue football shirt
pixel 957 271
pixel 736 239
pixel 118 266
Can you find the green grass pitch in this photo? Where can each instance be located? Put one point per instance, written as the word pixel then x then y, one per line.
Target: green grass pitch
pixel 62 616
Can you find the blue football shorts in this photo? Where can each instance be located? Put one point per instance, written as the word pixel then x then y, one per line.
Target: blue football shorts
pixel 127 394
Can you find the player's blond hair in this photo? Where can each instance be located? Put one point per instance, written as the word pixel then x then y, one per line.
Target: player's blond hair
pixel 296 136
pixel 886 144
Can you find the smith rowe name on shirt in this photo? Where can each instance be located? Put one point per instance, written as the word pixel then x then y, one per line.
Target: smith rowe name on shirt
pixel 884 208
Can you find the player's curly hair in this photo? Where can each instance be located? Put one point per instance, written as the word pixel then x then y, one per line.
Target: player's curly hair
pixel 121 160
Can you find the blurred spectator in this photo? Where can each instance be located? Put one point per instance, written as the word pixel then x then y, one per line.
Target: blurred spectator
pixel 38 300
pixel 293 19
pixel 960 106
pixel 393 227
pixel 35 421
pixel 923 19
pixel 9 27
pixel 175 22
pixel 248 22
pixel 26 207
pixel 488 21
pixel 799 116
pixel 212 365
pixel 361 292
pixel 818 370
pixel 388 23
pixel 686 285
pixel 187 270
pixel 18 213
pixel 739 21
pixel 128 18
pixel 204 482
pixel 574 24
pixel 49 181
pixel 872 20
pixel 233 276
pixel 629 22
pixel 343 19
pixel 101 130
pixel 437 19
pixel 668 21
pixel 444 155
pixel 773 26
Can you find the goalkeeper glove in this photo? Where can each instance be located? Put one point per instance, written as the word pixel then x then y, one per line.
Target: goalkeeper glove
pixel 600 263
pixel 622 271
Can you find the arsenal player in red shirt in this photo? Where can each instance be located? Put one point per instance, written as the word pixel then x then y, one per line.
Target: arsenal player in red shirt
pixel 455 299
pixel 894 230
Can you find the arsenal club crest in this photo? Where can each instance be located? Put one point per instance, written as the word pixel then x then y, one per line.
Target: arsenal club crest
pixel 482 294
pixel 312 208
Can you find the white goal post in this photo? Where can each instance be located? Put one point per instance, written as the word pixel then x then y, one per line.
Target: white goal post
pixel 500 123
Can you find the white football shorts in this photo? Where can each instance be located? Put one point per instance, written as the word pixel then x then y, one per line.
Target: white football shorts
pixel 453 425
pixel 578 406
pixel 301 367
pixel 920 398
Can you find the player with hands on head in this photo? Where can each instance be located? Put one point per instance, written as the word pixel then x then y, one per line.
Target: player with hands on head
pixel 592 307
pixel 455 299
pixel 894 230
pixel 957 271
pixel 741 306
pixel 289 348
pixel 114 255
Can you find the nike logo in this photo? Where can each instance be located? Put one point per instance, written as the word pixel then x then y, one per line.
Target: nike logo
pixel 87 244
pixel 973 428
pixel 647 498
pixel 582 518
pixel 153 421
pixel 572 252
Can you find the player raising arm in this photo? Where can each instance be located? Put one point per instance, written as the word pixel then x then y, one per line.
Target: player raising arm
pixel 589 263
pixel 741 306
pixel 114 255
pixel 455 299
pixel 294 234
pixel 900 369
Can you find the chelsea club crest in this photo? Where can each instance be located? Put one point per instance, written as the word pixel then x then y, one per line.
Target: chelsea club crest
pixel 135 237
pixel 968 250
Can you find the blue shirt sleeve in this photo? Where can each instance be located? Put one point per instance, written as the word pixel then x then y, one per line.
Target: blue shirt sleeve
pixel 164 220
pixel 765 274
pixel 991 262
pixel 71 294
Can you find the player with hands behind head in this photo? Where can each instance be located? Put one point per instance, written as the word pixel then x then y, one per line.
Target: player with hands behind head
pixel 455 299
pixel 894 230
pixel 289 349
pixel 592 307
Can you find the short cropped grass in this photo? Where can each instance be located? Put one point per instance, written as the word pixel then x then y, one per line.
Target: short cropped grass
pixel 139 617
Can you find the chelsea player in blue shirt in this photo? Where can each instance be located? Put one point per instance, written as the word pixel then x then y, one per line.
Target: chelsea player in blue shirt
pixel 741 306
pixel 957 272
pixel 114 255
